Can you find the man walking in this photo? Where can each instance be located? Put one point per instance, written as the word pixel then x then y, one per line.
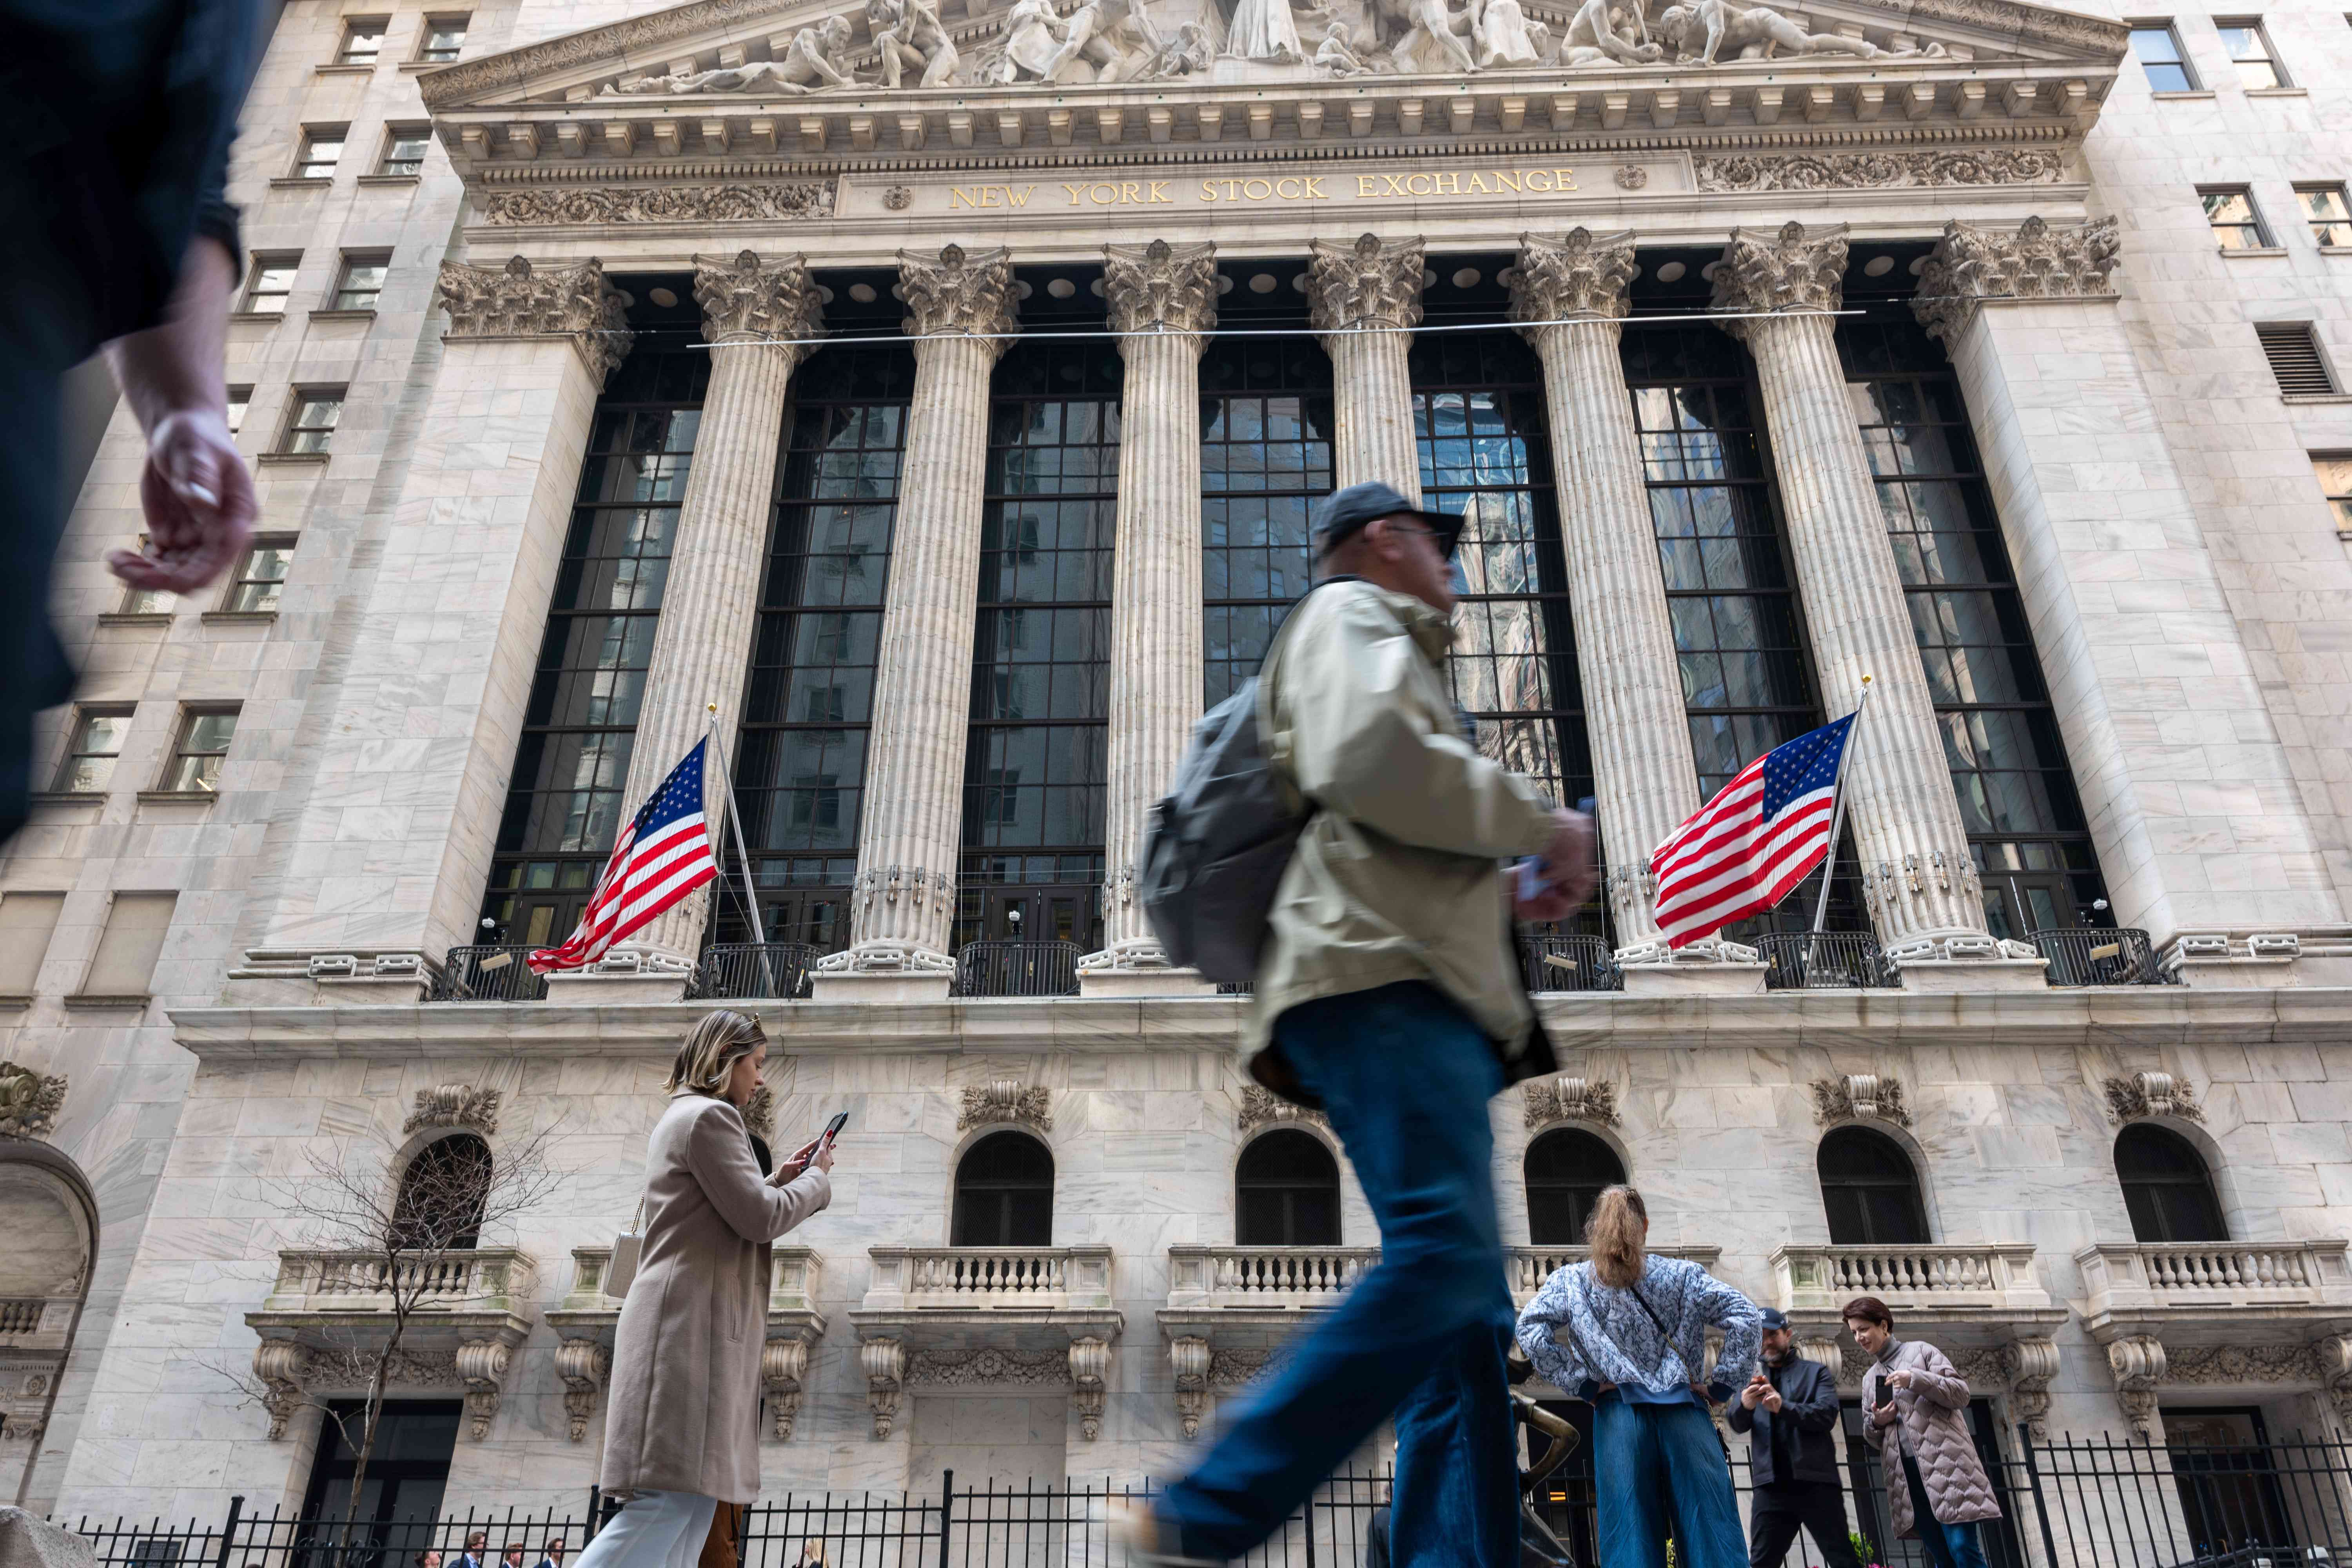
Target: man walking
pixel 1914 1408
pixel 1388 995
pixel 1789 1410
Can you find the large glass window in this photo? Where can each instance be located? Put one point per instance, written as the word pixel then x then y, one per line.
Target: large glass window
pixel 1567 1170
pixel 1286 1192
pixel 564 802
pixel 2168 1190
pixel 399 1508
pixel 1032 817
pixel 1003 1194
pixel 1265 460
pixel 810 698
pixel 1870 1191
pixel 2025 824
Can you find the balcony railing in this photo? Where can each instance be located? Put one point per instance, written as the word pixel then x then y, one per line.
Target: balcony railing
pixel 2199 1278
pixel 1023 968
pixel 1282 1278
pixel 1988 1279
pixel 1830 961
pixel 494 972
pixel 466 1280
pixel 1568 964
pixel 929 1278
pixel 37 1322
pixel 2088 955
pixel 748 970
pixel 1529 1266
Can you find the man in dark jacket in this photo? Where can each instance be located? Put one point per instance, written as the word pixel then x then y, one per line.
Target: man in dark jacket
pixel 1789 1410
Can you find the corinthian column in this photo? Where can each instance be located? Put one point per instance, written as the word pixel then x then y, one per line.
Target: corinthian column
pixel 710 599
pixel 912 827
pixel 1352 290
pixel 1168 294
pixel 1918 879
pixel 1642 764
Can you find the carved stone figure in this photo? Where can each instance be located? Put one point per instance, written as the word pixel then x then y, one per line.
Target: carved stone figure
pixel 911 38
pixel 1112 35
pixel 1186 53
pixel 1438 38
pixel 1598 36
pixel 812 63
pixel 1264 30
pixel 1751 33
pixel 1337 53
pixel 1033 37
pixel 1503 36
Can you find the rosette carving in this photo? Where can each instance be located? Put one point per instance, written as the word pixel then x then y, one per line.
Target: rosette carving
pixel 1163 287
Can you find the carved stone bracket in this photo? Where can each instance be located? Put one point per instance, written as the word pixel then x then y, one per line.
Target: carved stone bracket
pixel 1971 264
pixel 2146 1094
pixel 1569 1099
pixel 784 1369
pixel 1859 1096
pixel 1089 1371
pixel 518 301
pixel 1188 1358
pixel 1260 1109
pixel 482 1368
pixel 749 299
pixel 1006 1100
pixel 1162 286
pixel 2138 1362
pixel 1367 283
pixel 282 1366
pixel 2028 1365
pixel 1584 276
pixel 583 1365
pixel 29 1101
pixel 455 1105
pixel 2334 1358
pixel 1796 268
pixel 884 1362
pixel 953 293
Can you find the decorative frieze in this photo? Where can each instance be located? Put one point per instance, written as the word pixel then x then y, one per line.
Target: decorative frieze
pixel 1261 1107
pixel 455 1105
pixel 1006 1100
pixel 767 201
pixel 1876 171
pixel 1861 1096
pixel 1568 1099
pixel 516 300
pixel 1971 264
pixel 1233 1368
pixel 989 1366
pixel 2146 1094
pixel 1583 275
pixel 29 1101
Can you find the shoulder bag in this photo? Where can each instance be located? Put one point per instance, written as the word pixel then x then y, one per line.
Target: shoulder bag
pixel 627 1248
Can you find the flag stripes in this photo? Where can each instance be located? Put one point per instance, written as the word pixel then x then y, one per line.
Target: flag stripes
pixel 663 855
pixel 1749 846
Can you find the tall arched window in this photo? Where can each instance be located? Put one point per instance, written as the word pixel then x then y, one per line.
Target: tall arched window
pixel 2167 1187
pixel 1286 1193
pixel 1004 1194
pixel 442 1193
pixel 1870 1190
pixel 1566 1171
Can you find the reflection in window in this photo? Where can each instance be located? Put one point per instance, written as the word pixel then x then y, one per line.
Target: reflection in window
pixel 1265 460
pixel 1286 1192
pixel 403 150
pixel 2236 225
pixel 1003 1194
pixel 1870 1190
pixel 270 284
pixel 2248 49
pixel 260 578
pixel 2167 1189
pixel 96 747
pixel 202 745
pixel 2324 209
pixel 1567 1170
pixel 310 426
pixel 2158 49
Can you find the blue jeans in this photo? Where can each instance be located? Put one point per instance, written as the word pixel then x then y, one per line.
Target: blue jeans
pixel 1948 1545
pixel 1660 1467
pixel 1405 1077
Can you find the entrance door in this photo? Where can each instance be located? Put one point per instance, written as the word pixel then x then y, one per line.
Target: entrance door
pixel 400 1501
pixel 1033 914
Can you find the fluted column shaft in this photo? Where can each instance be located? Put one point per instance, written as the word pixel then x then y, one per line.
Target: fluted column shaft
pixel 1639 732
pixel 1360 295
pixel 710 598
pixel 1169 292
pixel 1918 879
pixel 910 829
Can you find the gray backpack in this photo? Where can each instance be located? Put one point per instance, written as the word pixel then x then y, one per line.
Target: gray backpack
pixel 1217 845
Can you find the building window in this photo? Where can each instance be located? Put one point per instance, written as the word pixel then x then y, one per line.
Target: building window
pixel 322 148
pixel 1286 1192
pixel 1034 786
pixel 240 398
pixel 136 925
pixel 149 601
pixel 442 38
pixel 362 42
pixel 407 1473
pixel 260 577
pixel 362 281
pixel 2292 349
pixel 196 755
pixel 403 150
pixel 2250 50
pixel 2334 470
pixel 2167 1189
pixel 1003 1194
pixel 96 746
pixel 2236 225
pixel 564 803
pixel 442 1193
pixel 1870 1190
pixel 1266 458
pixel 2158 49
pixel 1566 1172
pixel 311 427
pixel 2324 209
pixel 272 280
pixel 27 921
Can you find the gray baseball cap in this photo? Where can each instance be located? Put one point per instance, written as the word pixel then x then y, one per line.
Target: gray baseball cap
pixel 1345 513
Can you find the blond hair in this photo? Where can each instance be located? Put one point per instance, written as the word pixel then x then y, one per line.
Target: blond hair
pixel 718 1041
pixel 1620 1221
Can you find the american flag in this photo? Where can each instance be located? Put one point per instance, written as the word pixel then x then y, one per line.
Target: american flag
pixel 664 855
pixel 1754 841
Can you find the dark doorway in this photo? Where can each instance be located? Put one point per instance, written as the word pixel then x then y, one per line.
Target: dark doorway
pixel 1867 1492
pixel 400 1500
pixel 2167 1187
pixel 1004 1194
pixel 1870 1190
pixel 2230 1494
pixel 1566 1172
pixel 1286 1193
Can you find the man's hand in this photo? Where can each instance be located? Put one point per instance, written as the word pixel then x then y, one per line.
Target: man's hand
pixel 1753 1395
pixel 1568 867
pixel 1772 1401
pixel 199 501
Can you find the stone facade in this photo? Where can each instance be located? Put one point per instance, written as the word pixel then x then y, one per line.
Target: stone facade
pixel 2176 560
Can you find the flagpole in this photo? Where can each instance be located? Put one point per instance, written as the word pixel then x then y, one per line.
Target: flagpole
pixel 1837 823
pixel 742 855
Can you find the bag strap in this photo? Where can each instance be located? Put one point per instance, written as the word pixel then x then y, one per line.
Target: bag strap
pixel 1664 1332
pixel 1274 741
pixel 637 1224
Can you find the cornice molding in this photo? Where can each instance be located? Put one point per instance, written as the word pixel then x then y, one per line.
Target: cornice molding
pixel 1971 264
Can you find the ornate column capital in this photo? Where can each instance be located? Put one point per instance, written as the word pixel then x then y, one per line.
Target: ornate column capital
pixel 1971 264
pixel 1796 268
pixel 519 301
pixel 954 293
pixel 1583 276
pixel 748 299
pixel 1368 283
pixel 1172 287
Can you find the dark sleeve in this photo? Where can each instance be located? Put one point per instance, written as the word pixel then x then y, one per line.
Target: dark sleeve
pixel 1818 1411
pixel 217 217
pixel 1742 1418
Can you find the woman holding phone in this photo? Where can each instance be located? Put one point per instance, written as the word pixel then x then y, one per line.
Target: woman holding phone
pixel 681 1433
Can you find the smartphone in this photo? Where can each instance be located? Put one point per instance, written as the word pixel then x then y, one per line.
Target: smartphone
pixel 832 1128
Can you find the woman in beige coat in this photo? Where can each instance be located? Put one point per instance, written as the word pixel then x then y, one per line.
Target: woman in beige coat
pixel 682 1431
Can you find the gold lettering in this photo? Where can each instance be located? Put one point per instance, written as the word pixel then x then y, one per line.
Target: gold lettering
pixel 1396 185
pixel 1506 180
pixel 1258 190
pixel 1159 191
pixel 992 195
pixel 1364 185
pixel 1074 191
pixel 1233 190
pixel 1315 189
pixel 960 197
pixel 1412 187
pixel 1208 190
pixel 1535 174
pixel 1449 185
pixel 1478 185
pixel 1126 192
pixel 1285 189
pixel 1563 179
pixel 1019 198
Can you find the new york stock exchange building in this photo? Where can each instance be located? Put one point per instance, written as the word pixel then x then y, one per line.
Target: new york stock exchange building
pixel 927 405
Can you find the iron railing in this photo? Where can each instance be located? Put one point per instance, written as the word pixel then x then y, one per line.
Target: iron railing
pixel 1830 961
pixel 489 972
pixel 1017 968
pixel 1568 964
pixel 2094 956
pixel 732 971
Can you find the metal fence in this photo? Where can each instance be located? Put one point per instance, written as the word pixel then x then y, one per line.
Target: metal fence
pixel 489 972
pixel 2094 956
pixel 1568 964
pixel 1017 968
pixel 743 970
pixel 1828 961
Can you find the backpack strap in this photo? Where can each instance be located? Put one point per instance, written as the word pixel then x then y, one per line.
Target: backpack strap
pixel 1273 739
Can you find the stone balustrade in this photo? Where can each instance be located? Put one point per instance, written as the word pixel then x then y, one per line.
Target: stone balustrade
pixel 1290 1278
pixel 1529 1266
pixel 1985 1279
pixel 460 1279
pixel 2132 1284
pixel 37 1322
pixel 1047 1277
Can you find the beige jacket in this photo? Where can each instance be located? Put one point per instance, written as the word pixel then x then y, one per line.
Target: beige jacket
pixel 1934 1411
pixel 1397 875
pixel 684 1410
